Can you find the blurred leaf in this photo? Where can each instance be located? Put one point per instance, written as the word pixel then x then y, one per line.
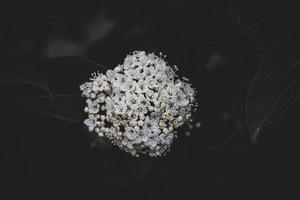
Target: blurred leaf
pixel 138 30
pixel 64 107
pixel 270 26
pixel 237 122
pixel 123 170
pixel 140 167
pixel 23 75
pixel 63 75
pixel 18 79
pixel 273 90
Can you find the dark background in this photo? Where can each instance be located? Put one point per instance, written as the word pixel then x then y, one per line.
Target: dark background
pixel 217 44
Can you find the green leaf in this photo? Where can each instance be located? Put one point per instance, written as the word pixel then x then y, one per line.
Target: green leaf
pixel 273 91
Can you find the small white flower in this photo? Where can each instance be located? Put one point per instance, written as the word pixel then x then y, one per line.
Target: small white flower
pixel 133 101
pixel 131 134
pixel 91 122
pixel 93 106
pixel 120 108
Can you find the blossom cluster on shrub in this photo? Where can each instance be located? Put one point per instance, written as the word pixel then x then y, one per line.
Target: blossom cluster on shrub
pixel 139 104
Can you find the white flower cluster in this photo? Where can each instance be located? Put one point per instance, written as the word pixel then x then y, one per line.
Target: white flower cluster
pixel 138 105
